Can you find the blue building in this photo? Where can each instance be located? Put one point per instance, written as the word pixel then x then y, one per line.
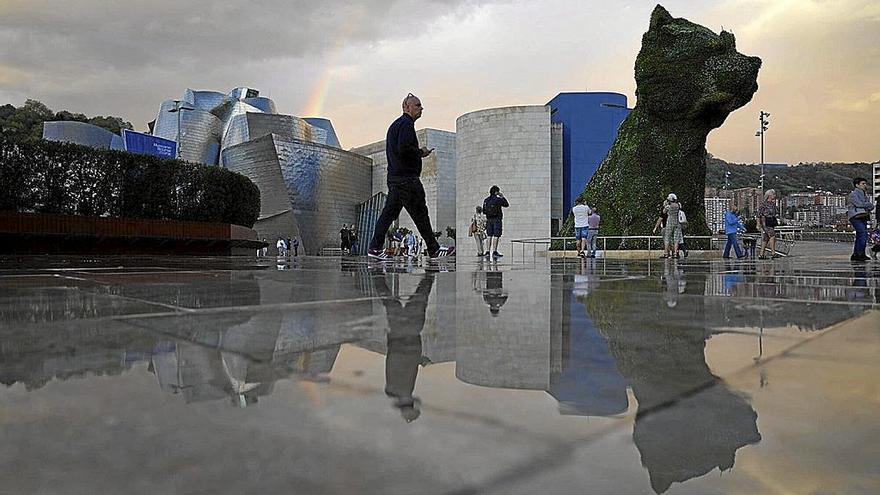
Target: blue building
pixel 589 128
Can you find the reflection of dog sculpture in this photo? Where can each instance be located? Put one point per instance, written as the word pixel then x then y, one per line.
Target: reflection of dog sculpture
pixel 688 80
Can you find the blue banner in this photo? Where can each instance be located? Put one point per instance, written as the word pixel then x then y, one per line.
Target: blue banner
pixel 145 144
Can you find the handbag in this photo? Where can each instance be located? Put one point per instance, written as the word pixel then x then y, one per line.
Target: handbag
pixel 770 222
pixel 473 228
pixel 682 218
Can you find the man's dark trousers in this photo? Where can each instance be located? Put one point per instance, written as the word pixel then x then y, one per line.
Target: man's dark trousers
pixel 405 192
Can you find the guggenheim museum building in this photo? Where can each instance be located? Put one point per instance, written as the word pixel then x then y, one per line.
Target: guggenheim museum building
pixel 541 156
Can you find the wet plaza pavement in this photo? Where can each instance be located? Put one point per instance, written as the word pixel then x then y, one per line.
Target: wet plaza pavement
pixel 341 375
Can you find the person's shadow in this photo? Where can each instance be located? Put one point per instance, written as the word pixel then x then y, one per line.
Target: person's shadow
pixel 404 343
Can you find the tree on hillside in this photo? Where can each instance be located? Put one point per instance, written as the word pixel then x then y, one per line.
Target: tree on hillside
pixel 25 123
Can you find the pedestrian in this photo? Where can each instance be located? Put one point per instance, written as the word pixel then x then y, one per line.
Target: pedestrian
pixel 405 189
pixel 410 241
pixel 683 223
pixel 265 248
pixel 732 225
pixel 858 210
pixel 296 246
pixel 344 239
pixel 660 226
pixel 280 246
pixel 478 231
pixel 672 235
pixel 353 238
pixel 593 230
pixel 768 220
pixel 581 212
pixel 494 216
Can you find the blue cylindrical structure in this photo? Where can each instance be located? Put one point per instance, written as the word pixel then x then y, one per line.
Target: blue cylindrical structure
pixel 589 128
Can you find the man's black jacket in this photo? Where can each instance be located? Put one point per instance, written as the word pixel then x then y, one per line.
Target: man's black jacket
pixel 402 149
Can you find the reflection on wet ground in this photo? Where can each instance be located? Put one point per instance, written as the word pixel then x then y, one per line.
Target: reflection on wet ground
pixel 324 375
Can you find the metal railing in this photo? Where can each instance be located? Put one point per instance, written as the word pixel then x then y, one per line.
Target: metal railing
pixel 715 242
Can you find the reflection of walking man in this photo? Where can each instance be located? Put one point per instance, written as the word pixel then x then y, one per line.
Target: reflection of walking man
pixel 404 187
pixel 404 355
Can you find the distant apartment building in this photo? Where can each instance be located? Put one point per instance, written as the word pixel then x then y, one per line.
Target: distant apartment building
pixel 876 182
pixel 746 200
pixel 715 208
pixel 832 200
pixel 800 200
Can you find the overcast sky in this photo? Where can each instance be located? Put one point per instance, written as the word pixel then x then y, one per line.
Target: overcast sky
pixel 354 61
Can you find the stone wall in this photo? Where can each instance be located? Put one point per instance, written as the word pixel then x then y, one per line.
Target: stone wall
pixel 510 147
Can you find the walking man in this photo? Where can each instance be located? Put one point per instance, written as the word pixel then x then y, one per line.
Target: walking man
pixel 492 209
pixel 581 213
pixel 404 186
pixel 296 246
pixel 858 210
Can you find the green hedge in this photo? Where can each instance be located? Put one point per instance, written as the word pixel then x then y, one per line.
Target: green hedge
pixel 51 177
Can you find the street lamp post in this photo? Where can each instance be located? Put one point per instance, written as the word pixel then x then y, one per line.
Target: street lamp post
pixel 764 124
pixel 179 107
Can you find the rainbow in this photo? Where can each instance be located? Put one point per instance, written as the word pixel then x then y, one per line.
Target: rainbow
pixel 314 106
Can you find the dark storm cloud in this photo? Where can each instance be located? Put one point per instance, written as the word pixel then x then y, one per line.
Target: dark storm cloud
pixel 36 34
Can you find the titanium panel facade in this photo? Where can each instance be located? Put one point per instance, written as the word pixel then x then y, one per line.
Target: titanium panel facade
pixel 258 161
pixel 199 137
pixel 323 186
pixel 203 100
pixel 326 185
pixel 81 133
pixel 248 126
pixel 331 139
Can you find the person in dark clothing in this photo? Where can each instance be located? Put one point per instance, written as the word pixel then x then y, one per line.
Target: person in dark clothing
pixel 494 217
pixel 344 239
pixel 404 186
pixel 404 352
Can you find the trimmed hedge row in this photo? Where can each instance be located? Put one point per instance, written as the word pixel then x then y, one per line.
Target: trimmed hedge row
pixel 64 178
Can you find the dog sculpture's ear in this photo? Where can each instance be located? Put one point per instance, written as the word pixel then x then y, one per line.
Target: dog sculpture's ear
pixel 728 41
pixel 660 17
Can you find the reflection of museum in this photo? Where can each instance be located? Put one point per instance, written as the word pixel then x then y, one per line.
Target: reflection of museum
pixel 559 333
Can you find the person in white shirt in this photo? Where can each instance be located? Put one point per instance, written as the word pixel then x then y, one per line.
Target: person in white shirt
pixel 280 245
pixel 581 214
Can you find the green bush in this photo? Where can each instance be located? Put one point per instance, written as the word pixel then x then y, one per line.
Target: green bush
pixel 51 177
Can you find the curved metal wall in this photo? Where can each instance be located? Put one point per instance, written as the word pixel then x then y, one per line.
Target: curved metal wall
pixel 323 185
pixel 248 126
pixel 258 161
pixel 510 147
pixel 69 131
pixel 326 185
pixel 325 124
pixel 264 104
pixel 199 137
pixel 203 100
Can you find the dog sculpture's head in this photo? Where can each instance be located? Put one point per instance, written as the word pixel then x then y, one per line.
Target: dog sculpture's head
pixel 685 71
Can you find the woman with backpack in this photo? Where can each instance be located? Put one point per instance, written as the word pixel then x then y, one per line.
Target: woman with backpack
pixel 477 230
